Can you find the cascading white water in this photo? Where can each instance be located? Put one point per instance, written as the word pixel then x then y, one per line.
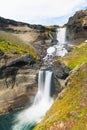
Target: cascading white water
pixel 43 101
pixel 61 37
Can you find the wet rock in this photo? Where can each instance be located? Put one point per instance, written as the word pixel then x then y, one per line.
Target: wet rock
pixel 60 70
pixel 1 53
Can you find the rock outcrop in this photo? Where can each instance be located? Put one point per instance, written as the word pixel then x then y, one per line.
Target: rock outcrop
pixel 61 72
pixel 18 82
pixel 77 27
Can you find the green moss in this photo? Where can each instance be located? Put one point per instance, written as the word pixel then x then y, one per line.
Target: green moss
pixel 82 122
pixel 69 107
pixel 77 57
pixel 11 45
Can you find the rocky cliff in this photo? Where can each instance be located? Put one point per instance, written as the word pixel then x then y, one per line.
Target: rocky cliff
pixel 18 82
pixel 77 27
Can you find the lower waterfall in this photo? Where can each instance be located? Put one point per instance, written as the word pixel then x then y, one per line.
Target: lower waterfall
pixel 28 118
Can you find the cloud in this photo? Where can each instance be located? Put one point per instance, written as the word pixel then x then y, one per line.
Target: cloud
pixel 39 11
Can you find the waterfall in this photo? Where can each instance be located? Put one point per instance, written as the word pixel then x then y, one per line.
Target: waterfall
pixel 60 47
pixel 61 35
pixel 26 119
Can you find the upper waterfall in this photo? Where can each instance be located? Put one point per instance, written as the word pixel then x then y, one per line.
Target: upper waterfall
pixel 60 47
pixel 61 35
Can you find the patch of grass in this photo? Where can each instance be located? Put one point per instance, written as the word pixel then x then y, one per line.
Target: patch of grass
pixel 11 45
pixel 51 27
pixel 70 106
pixel 82 122
pixel 77 57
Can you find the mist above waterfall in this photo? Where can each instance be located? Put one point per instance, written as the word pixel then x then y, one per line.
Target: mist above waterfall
pixel 42 102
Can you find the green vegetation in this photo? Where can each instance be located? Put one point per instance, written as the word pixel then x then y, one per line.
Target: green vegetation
pixel 71 110
pixel 77 57
pixel 51 27
pixel 12 45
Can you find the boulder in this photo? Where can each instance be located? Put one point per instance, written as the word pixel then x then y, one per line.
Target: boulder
pixel 60 73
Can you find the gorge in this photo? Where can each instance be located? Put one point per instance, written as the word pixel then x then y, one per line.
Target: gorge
pixel 62 86
pixel 29 117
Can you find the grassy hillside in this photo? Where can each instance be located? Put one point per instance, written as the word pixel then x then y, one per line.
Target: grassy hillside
pixel 12 45
pixel 77 57
pixel 69 111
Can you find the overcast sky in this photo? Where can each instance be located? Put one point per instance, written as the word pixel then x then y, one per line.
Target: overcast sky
pixel 45 12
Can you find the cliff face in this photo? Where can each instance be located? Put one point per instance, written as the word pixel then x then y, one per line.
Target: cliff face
pixel 18 82
pixel 77 27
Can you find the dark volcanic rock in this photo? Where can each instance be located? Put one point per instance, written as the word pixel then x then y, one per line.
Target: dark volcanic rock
pixel 77 27
pixel 78 15
pixel 61 72
pixel 1 53
pixel 23 60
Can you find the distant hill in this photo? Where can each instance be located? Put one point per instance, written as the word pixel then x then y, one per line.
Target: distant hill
pixel 4 24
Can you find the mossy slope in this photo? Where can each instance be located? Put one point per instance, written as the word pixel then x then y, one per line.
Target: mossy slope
pixel 10 44
pixel 77 57
pixel 70 112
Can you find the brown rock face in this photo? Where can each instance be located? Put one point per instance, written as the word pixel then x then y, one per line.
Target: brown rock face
pixel 18 82
pixel 77 27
